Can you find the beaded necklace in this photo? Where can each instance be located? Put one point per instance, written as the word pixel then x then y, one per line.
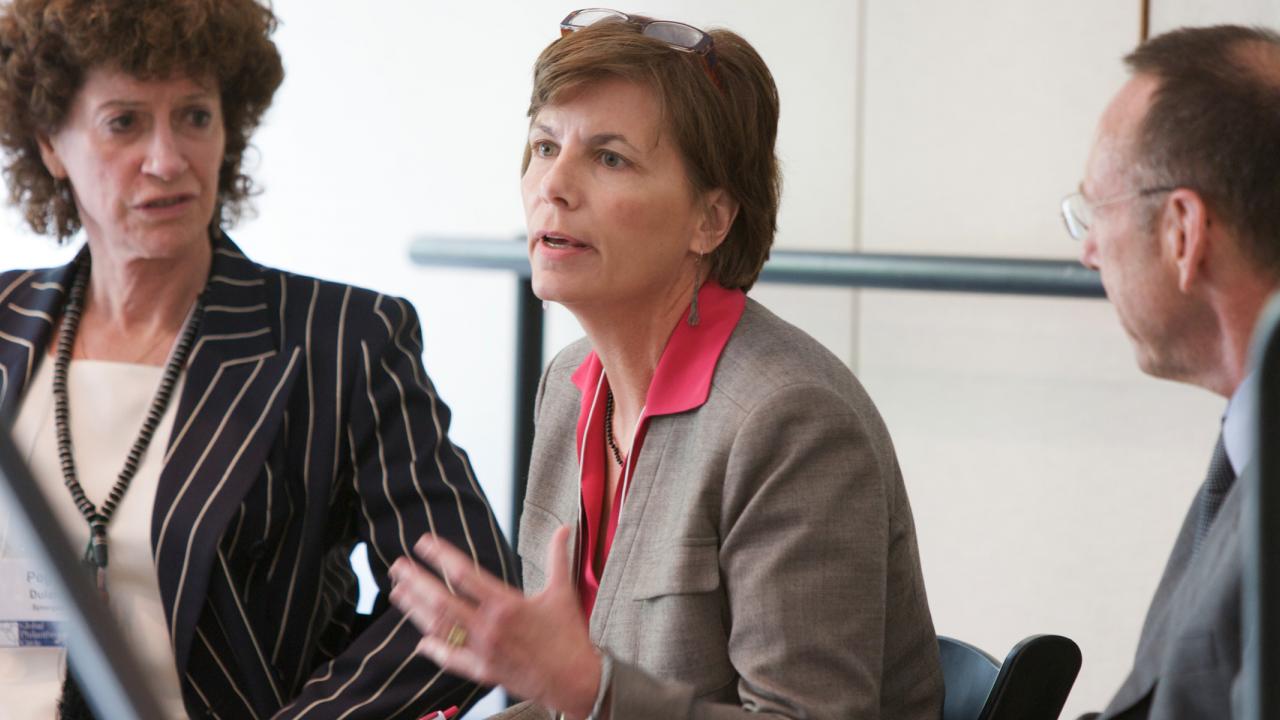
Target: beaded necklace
pixel 99 518
pixel 608 428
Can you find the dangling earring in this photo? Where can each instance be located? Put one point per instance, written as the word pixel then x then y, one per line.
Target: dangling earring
pixel 694 318
pixel 62 186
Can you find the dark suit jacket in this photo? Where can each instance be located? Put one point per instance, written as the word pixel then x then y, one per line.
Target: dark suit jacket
pixel 1189 654
pixel 306 424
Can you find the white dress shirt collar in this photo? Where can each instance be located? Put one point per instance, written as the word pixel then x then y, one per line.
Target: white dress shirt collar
pixel 1237 424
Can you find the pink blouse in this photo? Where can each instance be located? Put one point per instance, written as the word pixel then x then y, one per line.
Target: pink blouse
pixel 681 383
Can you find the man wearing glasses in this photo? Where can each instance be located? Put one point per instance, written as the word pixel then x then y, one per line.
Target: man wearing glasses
pixel 1180 213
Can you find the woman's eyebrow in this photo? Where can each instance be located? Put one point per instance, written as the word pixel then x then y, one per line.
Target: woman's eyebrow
pixel 606 138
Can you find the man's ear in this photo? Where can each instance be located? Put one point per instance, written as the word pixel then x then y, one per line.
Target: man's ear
pixel 1185 232
pixel 719 212
pixel 49 154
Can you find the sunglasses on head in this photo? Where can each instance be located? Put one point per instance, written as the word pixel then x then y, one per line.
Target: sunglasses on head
pixel 676 35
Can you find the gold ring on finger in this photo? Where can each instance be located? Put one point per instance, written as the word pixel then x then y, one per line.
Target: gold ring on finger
pixel 457 636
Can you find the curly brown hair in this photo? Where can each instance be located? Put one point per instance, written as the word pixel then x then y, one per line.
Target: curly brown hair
pixel 47 47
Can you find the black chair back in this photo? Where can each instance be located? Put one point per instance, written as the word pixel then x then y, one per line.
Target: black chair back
pixel 1031 684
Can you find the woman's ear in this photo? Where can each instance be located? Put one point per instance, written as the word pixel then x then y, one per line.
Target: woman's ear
pixel 719 212
pixel 49 154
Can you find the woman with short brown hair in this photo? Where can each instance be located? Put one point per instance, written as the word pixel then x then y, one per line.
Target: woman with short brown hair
pixel 715 524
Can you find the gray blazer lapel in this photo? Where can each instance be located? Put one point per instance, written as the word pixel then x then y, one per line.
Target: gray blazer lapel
pixel 630 522
pixel 29 305
pixel 232 404
pixel 550 502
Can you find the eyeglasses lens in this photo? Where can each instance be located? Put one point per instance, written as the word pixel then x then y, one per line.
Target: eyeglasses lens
pixel 1076 215
pixel 591 16
pixel 675 34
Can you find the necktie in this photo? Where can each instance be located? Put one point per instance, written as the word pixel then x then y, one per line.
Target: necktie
pixel 1217 483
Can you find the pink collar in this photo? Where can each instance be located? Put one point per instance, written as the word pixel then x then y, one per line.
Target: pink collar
pixel 682 380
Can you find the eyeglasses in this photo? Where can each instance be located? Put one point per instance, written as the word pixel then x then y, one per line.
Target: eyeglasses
pixel 1077 210
pixel 677 35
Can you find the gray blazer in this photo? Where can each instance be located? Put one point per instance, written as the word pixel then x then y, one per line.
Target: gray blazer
pixel 1189 653
pixel 765 560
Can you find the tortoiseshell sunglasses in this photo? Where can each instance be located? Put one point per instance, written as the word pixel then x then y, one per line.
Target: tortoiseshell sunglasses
pixel 677 35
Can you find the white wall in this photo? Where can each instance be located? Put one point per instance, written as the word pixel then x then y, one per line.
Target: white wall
pixel 1169 14
pixel 1047 475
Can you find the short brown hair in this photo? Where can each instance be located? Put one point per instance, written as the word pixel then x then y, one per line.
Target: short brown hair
pixel 47 47
pixel 1214 126
pixel 725 134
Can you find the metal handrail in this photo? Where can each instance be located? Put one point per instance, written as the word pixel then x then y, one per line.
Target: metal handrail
pixel 948 273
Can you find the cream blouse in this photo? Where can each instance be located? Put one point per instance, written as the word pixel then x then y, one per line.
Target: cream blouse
pixel 108 403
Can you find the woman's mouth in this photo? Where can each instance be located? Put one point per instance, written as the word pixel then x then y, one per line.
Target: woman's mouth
pixel 560 242
pixel 167 202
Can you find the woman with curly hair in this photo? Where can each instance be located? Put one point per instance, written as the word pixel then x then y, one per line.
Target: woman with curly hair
pixel 217 434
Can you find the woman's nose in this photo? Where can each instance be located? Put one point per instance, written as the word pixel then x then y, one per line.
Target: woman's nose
pixel 559 184
pixel 165 159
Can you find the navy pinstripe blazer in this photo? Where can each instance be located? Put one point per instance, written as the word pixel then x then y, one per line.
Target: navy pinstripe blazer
pixel 306 423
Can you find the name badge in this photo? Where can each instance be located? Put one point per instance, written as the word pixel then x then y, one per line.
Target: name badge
pixel 31 610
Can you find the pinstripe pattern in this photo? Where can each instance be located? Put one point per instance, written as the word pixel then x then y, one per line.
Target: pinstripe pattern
pixel 306 423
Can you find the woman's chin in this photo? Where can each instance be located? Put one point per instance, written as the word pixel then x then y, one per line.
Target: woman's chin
pixel 550 288
pixel 156 243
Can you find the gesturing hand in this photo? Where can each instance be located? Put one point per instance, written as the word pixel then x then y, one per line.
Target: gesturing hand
pixel 476 626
